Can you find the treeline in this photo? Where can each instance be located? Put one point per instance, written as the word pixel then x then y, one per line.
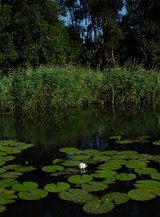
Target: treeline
pixel 95 33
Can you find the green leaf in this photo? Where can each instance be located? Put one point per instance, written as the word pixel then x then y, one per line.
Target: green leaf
pixel 36 194
pixel 156 143
pixel 147 184
pixel 133 164
pixel 97 206
pixel 12 175
pixel 94 186
pixel 76 195
pixel 141 194
pixel 155 176
pixel 117 197
pixel 26 186
pixel 126 177
pixel 70 150
pixel 56 188
pixel 145 170
pixel 2 208
pixel 80 179
pixel 52 168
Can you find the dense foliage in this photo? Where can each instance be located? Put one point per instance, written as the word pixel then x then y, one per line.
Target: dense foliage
pixel 96 33
pixel 48 89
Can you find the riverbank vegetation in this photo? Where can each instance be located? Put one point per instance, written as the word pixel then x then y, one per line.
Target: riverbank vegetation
pixel 53 88
pixel 95 48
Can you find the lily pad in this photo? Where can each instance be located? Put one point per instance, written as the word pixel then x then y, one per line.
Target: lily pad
pixel 97 206
pixel 52 168
pixel 8 175
pixel 116 197
pixel 145 170
pixel 94 186
pixel 2 208
pixel 4 183
pixel 80 179
pixel 126 177
pixel 56 188
pixel 147 184
pixel 26 186
pixel 104 174
pixel 36 194
pixel 6 198
pixel 115 137
pixel 156 143
pixel 141 194
pixel 133 164
pixel 25 169
pixel 70 150
pixel 155 176
pixel 76 195
pixel 71 163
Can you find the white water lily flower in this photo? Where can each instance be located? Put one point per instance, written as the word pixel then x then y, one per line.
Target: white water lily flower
pixel 82 166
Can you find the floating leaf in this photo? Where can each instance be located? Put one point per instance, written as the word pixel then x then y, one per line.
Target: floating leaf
pixel 145 170
pixel 80 179
pixel 26 186
pixel 70 150
pixel 156 143
pixel 58 161
pixel 4 183
pixel 117 197
pixel 7 198
pixel 104 174
pixel 147 184
pixel 2 208
pixel 115 137
pixel 109 180
pixel 76 195
pixel 56 188
pixel 52 168
pixel 126 141
pixel 141 194
pixel 126 177
pixel 155 176
pixel 133 164
pixel 8 175
pixel 12 166
pixel 97 206
pixel 71 163
pixel 36 194
pixel 94 186
pixel 25 169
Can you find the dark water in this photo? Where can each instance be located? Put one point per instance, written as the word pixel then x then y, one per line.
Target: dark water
pixel 85 130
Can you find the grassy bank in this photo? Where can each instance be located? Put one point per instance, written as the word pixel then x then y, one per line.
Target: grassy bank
pixel 52 88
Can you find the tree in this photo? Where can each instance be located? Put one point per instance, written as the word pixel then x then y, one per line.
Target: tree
pixel 31 33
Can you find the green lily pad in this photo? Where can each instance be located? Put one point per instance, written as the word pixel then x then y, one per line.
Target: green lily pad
pixel 71 163
pixel 145 170
pixel 91 152
pixel 4 183
pixel 8 175
pixel 25 169
pixel 94 186
pixel 58 161
pixel 126 141
pixel 70 150
pixel 109 180
pixel 126 177
pixel 12 166
pixel 80 179
pixel 104 174
pixel 141 194
pixel 81 157
pixel 52 168
pixel 2 170
pixel 115 137
pixel 9 158
pixel 156 143
pixel 36 194
pixel 133 164
pixel 110 153
pixel 26 186
pixel 56 188
pixel 147 184
pixel 6 198
pixel 155 176
pixel 76 195
pixel 97 206
pixel 144 137
pixel 116 197
pixel 2 208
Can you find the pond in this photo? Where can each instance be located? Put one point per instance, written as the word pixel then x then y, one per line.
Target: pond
pixel 119 144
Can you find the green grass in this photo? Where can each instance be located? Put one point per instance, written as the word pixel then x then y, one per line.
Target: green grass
pixel 55 88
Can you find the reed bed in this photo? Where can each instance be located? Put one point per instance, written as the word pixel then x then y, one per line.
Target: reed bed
pixel 55 88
